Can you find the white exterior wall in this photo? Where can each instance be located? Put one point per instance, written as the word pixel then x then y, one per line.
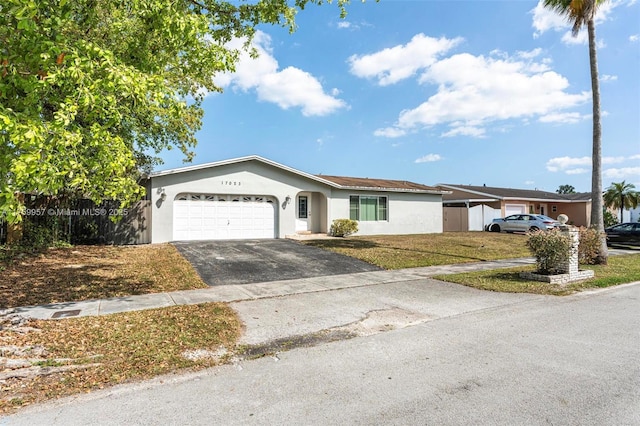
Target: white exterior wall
pixel 243 178
pixel 408 213
pixel 632 215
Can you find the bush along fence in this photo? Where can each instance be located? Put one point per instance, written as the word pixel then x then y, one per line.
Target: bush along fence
pixel 48 222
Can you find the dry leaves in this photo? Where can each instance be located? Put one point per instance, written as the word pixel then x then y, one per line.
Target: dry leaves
pixel 62 357
pixel 94 272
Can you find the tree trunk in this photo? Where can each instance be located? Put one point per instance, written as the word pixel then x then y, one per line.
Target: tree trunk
pixel 597 214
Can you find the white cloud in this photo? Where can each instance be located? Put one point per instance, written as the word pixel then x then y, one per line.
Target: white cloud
pixel 397 63
pixel 546 19
pixel 287 88
pixel 572 166
pixel 634 38
pixel 564 117
pixel 529 182
pixel 607 77
pixel 344 24
pixel 622 173
pixel 475 90
pixel 530 54
pixel 429 158
pixel 615 160
pixel 476 132
pixel 563 163
pixel 390 132
pixel 581 38
pixel 579 171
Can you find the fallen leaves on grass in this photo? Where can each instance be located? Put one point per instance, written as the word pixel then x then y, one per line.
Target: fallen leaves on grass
pixel 94 272
pixel 95 352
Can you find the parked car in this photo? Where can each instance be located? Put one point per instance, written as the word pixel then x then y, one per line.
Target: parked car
pixel 522 223
pixel 624 233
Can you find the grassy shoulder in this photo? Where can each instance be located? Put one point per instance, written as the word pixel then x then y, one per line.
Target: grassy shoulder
pixel 93 272
pixel 78 355
pixel 411 251
pixel 619 270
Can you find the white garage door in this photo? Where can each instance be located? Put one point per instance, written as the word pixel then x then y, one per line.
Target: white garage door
pixel 223 217
pixel 510 209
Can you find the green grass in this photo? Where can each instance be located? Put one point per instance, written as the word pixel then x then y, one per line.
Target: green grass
pixel 411 251
pixel 619 270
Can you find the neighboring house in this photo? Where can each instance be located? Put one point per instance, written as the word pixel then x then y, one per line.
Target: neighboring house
pixel 632 215
pixel 470 208
pixel 253 197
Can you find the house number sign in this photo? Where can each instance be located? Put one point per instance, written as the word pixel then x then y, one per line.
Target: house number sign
pixel 231 183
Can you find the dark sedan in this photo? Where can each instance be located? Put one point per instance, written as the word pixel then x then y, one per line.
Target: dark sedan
pixel 624 233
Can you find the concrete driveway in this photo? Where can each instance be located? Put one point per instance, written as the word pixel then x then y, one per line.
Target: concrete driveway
pixel 253 261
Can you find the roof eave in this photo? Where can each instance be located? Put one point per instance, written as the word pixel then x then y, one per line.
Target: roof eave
pixel 240 160
pixel 381 189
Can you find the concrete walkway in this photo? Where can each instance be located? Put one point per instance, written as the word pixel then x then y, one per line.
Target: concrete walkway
pixel 244 292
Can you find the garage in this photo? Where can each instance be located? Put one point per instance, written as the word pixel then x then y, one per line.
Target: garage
pixel 510 209
pixel 223 217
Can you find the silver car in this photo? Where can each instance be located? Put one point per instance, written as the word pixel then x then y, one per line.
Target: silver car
pixel 522 223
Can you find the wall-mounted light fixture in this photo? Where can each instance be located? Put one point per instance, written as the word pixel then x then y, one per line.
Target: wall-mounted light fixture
pixel 163 195
pixel 287 200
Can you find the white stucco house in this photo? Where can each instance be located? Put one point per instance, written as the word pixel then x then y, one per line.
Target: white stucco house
pixel 253 197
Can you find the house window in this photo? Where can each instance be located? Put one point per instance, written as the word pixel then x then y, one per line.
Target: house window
pixel 554 208
pixel 368 208
pixel 302 207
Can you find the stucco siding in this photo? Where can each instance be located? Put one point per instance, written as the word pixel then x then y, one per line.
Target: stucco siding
pixel 408 213
pixel 246 178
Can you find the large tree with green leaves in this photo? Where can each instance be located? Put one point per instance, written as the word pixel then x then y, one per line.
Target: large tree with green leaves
pixel 92 90
pixel 566 189
pixel 581 13
pixel 621 196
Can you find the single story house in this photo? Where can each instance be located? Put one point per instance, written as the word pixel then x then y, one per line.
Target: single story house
pixel 470 208
pixel 253 197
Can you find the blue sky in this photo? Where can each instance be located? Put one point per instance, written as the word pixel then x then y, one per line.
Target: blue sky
pixel 458 92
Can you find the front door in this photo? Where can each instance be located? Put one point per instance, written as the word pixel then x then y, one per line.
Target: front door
pixel 303 212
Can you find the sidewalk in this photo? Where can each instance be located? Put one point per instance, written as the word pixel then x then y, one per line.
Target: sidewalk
pixel 237 293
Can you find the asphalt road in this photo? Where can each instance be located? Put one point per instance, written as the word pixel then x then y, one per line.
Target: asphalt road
pixel 540 360
pixel 252 261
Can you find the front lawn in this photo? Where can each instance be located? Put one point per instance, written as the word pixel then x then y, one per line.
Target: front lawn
pixel 92 272
pixel 619 270
pixel 410 251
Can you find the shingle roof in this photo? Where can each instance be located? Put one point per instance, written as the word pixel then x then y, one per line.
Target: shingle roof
pixel 506 193
pixel 367 183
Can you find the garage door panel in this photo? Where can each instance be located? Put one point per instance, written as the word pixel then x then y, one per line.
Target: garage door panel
pixel 198 217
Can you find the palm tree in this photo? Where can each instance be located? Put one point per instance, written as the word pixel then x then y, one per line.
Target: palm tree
pixel 622 196
pixel 582 13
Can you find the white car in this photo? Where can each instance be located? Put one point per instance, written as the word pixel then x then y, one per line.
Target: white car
pixel 522 223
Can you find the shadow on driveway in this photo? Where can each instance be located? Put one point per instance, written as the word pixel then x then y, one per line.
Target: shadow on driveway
pixel 253 261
